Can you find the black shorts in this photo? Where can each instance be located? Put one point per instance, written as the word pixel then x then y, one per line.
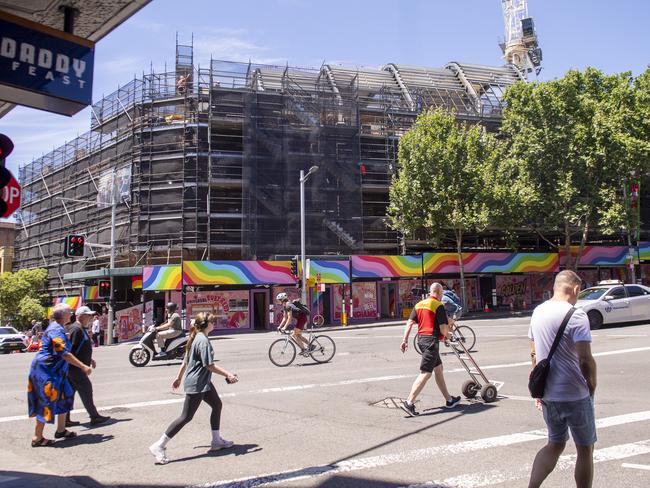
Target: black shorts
pixel 430 354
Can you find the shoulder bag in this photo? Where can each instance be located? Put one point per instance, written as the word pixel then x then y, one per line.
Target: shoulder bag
pixel 537 378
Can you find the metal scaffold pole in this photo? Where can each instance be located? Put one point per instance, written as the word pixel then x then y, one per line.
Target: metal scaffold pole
pixel 111 299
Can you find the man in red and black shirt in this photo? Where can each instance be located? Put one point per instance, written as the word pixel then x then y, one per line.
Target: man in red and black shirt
pixel 433 325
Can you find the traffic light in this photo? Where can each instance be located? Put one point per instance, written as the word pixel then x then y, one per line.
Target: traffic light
pixel 74 246
pixel 104 289
pixel 6 146
pixel 294 266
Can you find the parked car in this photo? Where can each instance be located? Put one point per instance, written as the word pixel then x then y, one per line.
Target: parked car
pixel 613 301
pixel 11 340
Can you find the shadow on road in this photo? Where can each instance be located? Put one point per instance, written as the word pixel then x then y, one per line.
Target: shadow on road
pixel 236 450
pixel 82 439
pixel 20 479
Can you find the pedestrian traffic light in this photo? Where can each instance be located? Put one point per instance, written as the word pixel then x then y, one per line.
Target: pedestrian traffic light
pixel 6 146
pixel 104 289
pixel 74 246
pixel 294 266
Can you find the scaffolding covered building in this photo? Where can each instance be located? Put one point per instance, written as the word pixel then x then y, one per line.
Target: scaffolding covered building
pixel 205 162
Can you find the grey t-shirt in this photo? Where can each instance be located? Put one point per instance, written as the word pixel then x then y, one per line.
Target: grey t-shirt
pixel 175 321
pixel 197 374
pixel 565 382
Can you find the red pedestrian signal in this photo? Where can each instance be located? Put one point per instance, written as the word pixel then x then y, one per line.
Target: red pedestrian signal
pixel 104 289
pixel 74 246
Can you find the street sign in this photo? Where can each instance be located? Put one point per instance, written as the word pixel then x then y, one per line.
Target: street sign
pixel 10 196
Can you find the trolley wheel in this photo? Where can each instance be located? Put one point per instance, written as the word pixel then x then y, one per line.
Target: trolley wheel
pixel 489 393
pixel 139 357
pixel 324 348
pixel 416 345
pixel 470 389
pixel 282 352
pixel 595 319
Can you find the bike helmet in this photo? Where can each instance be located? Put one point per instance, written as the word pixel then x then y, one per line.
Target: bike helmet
pixel 282 297
pixel 171 306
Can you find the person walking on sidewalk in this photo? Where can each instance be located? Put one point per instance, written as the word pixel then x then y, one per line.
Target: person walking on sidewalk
pixel 433 325
pixel 198 367
pixel 81 347
pixel 568 402
pixel 96 330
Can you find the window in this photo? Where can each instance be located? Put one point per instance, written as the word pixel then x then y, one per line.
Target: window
pixel 618 292
pixel 635 291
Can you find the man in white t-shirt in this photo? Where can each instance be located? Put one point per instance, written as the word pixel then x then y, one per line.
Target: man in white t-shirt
pixel 571 382
pixel 96 329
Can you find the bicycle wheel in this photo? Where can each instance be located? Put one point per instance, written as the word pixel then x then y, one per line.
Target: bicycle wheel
pixel 324 348
pixel 416 346
pixel 466 335
pixel 318 320
pixel 282 352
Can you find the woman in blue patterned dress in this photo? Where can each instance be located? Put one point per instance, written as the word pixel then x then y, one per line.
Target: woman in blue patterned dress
pixel 49 393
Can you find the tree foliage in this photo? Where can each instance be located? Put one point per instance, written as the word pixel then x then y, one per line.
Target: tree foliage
pixel 21 294
pixel 571 146
pixel 444 186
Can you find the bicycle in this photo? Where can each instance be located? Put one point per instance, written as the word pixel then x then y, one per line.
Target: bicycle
pixel 462 333
pixel 282 352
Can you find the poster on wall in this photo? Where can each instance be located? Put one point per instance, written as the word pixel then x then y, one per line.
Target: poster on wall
pixel 337 301
pixel 129 322
pixel 407 297
pixel 230 308
pixel 514 291
pixel 148 315
pixel 542 286
pixel 364 300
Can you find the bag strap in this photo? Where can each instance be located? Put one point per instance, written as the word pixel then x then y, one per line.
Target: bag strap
pixel 560 332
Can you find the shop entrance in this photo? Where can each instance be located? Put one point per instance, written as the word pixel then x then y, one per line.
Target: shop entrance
pixel 486 284
pixel 260 309
pixel 388 294
pixel 324 306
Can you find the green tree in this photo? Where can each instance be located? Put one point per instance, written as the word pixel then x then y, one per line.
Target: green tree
pixel 444 188
pixel 20 292
pixel 572 145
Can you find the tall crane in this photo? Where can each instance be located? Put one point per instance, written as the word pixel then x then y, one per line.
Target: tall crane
pixel 520 47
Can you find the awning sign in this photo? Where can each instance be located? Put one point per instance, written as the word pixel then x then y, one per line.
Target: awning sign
pixel 44 68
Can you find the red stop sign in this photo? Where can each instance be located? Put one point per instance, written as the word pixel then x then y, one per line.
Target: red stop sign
pixel 11 196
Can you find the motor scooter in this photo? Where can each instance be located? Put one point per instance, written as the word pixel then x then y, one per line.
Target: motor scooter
pixel 145 350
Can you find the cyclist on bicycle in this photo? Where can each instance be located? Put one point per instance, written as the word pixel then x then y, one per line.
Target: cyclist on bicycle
pixel 291 311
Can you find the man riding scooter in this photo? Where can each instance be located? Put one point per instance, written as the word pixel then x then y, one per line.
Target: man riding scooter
pixel 170 329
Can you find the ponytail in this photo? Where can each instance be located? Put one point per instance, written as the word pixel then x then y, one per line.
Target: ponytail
pixel 199 324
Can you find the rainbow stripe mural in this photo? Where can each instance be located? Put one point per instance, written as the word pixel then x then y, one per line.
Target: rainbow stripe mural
pixel 237 273
pixel 644 251
pixel 155 278
pixel 136 282
pixel 598 255
pixel 500 262
pixel 330 271
pixel 386 266
pixel 91 293
pixel 72 302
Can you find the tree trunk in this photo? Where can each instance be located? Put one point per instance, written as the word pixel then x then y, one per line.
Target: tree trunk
pixel 461 266
pixel 583 241
pixel 568 263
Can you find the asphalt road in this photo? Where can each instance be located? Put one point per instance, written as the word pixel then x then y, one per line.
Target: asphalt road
pixel 335 424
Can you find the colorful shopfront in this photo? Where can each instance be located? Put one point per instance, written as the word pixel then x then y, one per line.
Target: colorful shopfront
pixel 602 263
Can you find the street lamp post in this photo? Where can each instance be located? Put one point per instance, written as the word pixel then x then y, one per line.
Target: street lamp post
pixel 303 260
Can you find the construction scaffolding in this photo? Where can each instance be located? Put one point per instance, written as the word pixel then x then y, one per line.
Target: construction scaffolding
pixel 208 161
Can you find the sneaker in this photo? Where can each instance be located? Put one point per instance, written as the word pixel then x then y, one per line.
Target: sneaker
pixel 220 444
pixel 304 354
pixel 312 347
pixel 100 419
pixel 455 400
pixel 160 453
pixel 408 408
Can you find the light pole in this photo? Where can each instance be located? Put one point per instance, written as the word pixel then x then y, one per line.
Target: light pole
pixel 303 261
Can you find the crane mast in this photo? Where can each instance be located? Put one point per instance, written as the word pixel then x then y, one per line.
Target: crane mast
pixel 520 46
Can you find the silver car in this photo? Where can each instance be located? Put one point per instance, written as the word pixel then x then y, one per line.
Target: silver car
pixel 612 301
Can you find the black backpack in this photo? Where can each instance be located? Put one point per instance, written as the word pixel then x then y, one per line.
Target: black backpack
pixel 301 307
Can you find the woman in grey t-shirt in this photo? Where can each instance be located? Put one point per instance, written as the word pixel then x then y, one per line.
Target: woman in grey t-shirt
pixel 198 367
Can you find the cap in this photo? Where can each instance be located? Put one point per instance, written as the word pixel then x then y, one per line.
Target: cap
pixel 84 311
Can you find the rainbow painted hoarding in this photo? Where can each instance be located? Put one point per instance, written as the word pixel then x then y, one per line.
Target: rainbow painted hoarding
pixel 331 272
pixel 237 273
pixel 386 266
pixel 598 255
pixel 499 262
pixel 158 278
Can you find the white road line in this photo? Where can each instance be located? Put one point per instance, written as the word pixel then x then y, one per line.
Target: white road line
pixel 318 385
pixel 437 452
pixel 644 467
pixel 566 462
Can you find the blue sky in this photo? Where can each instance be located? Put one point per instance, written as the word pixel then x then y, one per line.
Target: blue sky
pixel 613 36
